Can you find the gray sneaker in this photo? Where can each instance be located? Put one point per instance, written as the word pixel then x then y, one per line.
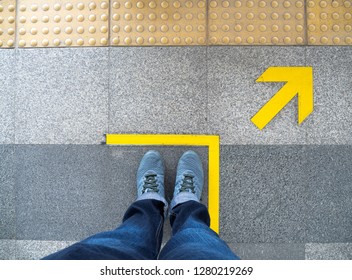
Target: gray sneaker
pixel 150 177
pixel 189 179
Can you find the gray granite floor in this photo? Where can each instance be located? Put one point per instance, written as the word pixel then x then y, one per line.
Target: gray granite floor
pixel 285 191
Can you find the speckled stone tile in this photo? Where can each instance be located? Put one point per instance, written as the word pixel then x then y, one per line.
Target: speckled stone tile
pixel 262 194
pixel 62 96
pixel 158 90
pixel 329 193
pixel 7 192
pixel 7 249
pixel 331 121
pixel 35 249
pixel 269 251
pixel 69 192
pixel 235 97
pixel 329 251
pixel 7 96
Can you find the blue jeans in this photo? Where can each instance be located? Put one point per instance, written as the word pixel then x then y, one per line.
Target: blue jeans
pixel 140 235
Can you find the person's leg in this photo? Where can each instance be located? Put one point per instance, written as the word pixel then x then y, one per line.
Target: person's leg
pixel 192 237
pixel 139 236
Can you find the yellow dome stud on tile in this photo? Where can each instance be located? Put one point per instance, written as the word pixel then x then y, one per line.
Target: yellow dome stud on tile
pixel 45 19
pixel 34 31
pixel 80 30
pixel 176 16
pixel 152 40
pixel 287 40
pixel 45 42
pixel 34 7
pixel 80 42
pixel 176 40
pixel 176 28
pixel 140 5
pixel 92 6
pixel 92 42
pixel 104 5
pixel 238 40
pixel 262 28
pixel 152 16
pixel 152 28
pixel 324 40
pixel 116 28
pixel 336 40
pixel 164 40
pixel 177 4
pixel 188 40
pixel 115 40
pixel 164 4
pixel 68 42
pixel 56 42
pixel 139 40
pixel 45 30
pixel 34 19
pixel 299 40
pixel 152 5
pixel 57 18
pixel 22 8
pixel 213 40
pixel 57 7
pixel 104 41
pixel 275 40
pixel 164 16
pixel 201 40
pixel 250 40
pixel 140 16
pixel 262 4
pixel 189 4
pixel 262 40
pixel 323 4
pixel 116 5
pixel 10 43
pixel 140 28
pixel 348 40
pixel 68 30
pixel 164 28
pixel 201 4
pixel 226 40
pixel 299 4
pixel 128 41
pixel 57 30
pixel 68 6
pixel 22 31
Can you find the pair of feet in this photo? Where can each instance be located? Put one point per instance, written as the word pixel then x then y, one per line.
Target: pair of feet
pixel 189 178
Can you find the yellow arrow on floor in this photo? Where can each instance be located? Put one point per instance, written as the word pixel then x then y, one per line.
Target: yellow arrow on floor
pixel 299 80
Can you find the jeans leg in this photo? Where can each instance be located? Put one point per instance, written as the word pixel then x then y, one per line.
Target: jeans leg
pixel 139 236
pixel 192 238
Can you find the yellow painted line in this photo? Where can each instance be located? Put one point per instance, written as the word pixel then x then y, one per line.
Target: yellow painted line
pixel 329 22
pixel 210 141
pixel 299 81
pixel 7 23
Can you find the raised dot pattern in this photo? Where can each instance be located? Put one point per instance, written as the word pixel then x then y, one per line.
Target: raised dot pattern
pixel 256 22
pixel 152 22
pixel 329 22
pixel 7 23
pixel 44 23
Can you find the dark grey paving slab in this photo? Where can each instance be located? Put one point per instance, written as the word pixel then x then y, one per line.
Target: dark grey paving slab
pixel 263 194
pixel 7 192
pixel 329 251
pixel 62 96
pixel 34 249
pixel 68 192
pixel 331 120
pixel 329 189
pixel 158 90
pixel 269 251
pixel 7 249
pixel 235 97
pixel 7 96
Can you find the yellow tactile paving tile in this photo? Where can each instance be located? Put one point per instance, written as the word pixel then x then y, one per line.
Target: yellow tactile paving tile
pixel 7 23
pixel 48 23
pixel 152 22
pixel 256 22
pixel 329 22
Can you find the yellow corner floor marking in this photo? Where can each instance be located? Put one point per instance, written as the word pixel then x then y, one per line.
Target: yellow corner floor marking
pixel 329 22
pixel 7 23
pixel 256 22
pixel 44 23
pixel 145 22
pixel 299 81
pixel 211 141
